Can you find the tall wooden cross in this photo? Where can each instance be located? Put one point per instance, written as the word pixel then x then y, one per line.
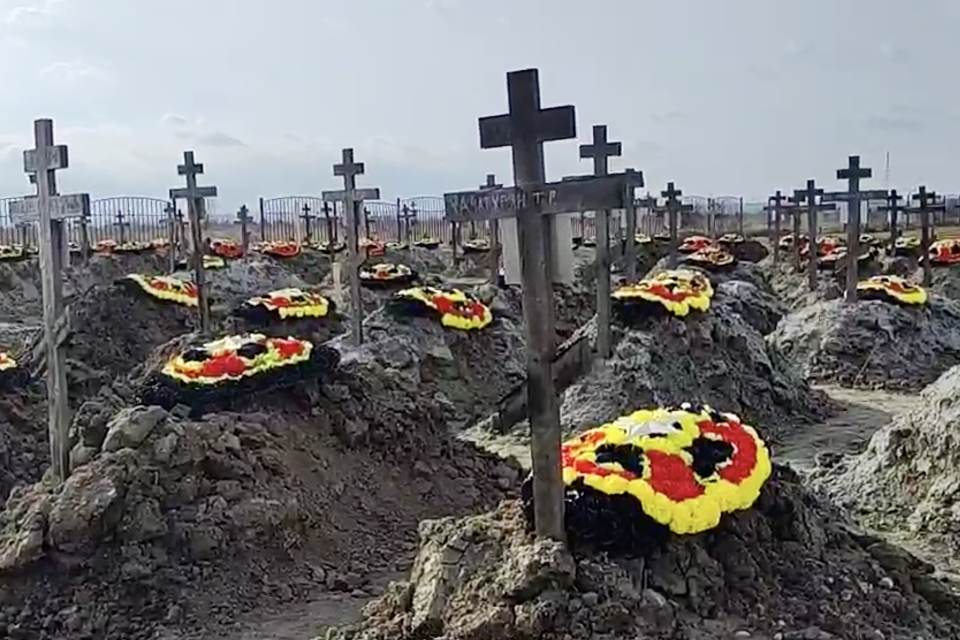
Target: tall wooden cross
pixel 494 230
pixel 331 227
pixel 794 202
pixel 307 216
pixel 406 214
pixel 810 196
pixel 51 211
pixel 853 173
pixel 352 199
pixel 776 205
pixel 243 217
pixel 674 208
pixel 600 151
pixel 926 202
pixel 122 225
pixel 893 209
pixel 194 196
pixel 635 179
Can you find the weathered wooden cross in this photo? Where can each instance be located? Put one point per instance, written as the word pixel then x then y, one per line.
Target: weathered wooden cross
pixel 352 199
pixel 926 202
pixel 406 215
pixel 809 196
pixel 194 196
pixel 51 211
pixel 172 227
pixel 529 206
pixel 243 217
pixel 121 224
pixel 308 217
pixel 331 227
pixel 494 229
pixel 674 208
pixel 600 151
pixel 853 173
pixel 795 211
pixel 893 209
pixel 776 205
pixel 635 179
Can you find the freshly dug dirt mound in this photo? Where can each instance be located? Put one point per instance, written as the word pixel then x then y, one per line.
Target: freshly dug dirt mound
pixel 790 568
pixel 24 454
pixel 872 344
pixel 945 281
pixel 716 358
pixel 181 524
pixel 906 481
pixel 574 306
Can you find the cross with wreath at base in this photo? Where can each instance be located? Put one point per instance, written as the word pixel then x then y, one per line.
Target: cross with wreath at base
pixel 926 203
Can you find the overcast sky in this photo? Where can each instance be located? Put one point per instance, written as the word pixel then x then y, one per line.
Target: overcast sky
pixel 724 97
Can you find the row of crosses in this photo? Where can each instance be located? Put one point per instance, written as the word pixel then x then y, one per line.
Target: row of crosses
pixel 812 200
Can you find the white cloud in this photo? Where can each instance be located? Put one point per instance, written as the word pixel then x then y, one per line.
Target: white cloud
pixel 34 14
pixel 75 71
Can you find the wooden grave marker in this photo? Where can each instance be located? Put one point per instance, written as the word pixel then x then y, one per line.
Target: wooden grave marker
pixel 328 221
pixel 812 207
pixel 406 215
pixel 194 196
pixel 926 203
pixel 172 227
pixel 794 202
pixel 308 217
pixel 777 205
pixel 352 199
pixel 893 208
pixel 853 173
pixel 494 229
pixel 600 150
pixel 674 208
pixel 122 225
pixel 243 218
pixel 50 211
pixel 635 181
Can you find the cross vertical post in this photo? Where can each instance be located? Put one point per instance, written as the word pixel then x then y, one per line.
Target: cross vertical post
pixel 795 202
pixel 50 211
pixel 399 224
pixel 893 208
pixel 243 217
pixel 674 207
pixel 524 128
pixel 172 226
pixel 121 224
pixel 494 227
pixel 853 174
pixel 307 217
pixel 775 205
pixel 926 202
pixel 331 228
pixel 810 195
pixel 352 199
pixel 635 181
pixel 600 150
pixel 194 196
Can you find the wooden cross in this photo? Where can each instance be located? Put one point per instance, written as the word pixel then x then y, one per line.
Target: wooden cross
pixel 794 203
pixel 243 217
pixel 494 229
pixel 331 227
pixel 810 195
pixel 194 196
pixel 398 222
pixel 352 199
pixel 406 213
pixel 926 202
pixel 893 207
pixel 50 211
pixel 121 224
pixel 600 151
pixel 674 207
pixel 853 173
pixel 307 216
pixel 635 179
pixel 775 204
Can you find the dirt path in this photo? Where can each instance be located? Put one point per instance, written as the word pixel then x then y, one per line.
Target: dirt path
pixel 863 413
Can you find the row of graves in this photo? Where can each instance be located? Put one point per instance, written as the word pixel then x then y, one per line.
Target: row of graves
pixel 655 505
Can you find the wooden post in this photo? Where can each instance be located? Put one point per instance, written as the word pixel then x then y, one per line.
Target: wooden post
pixel 926 203
pixel 352 199
pixel 399 224
pixel 775 205
pixel 50 211
pixel 630 202
pixel 795 219
pixel 810 195
pixel 194 196
pixel 307 217
pixel 454 241
pixel 121 224
pixel 600 151
pixel 243 217
pixel 853 196
pixel 494 255
pixel 172 228
pixel 331 228
pixel 674 208
pixel 740 218
pixel 893 209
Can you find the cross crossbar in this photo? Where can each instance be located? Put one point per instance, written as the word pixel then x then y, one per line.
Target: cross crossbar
pixel 357 194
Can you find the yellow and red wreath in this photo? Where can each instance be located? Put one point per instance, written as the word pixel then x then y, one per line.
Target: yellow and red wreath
pixel 839 253
pixel 105 246
pixel 12 253
pixel 905 246
pixel 372 247
pixel 132 246
pixel 387 273
pixel 397 246
pixel 7 362
pixel 476 245
pixel 326 247
pixel 731 238
pixel 427 242
pixel 892 289
pixel 711 258
pixel 226 248
pixel 676 292
pixel 683 467
pixel 786 242
pixel 456 309
pixel 166 288
pixel 234 358
pixel 279 248
pixel 692 244
pixel 160 243
pixel 945 251
pixel 642 238
pixel 290 303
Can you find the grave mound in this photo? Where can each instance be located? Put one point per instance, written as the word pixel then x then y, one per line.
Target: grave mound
pixel 24 454
pixel 945 281
pixel 790 567
pixel 172 525
pixel 574 306
pixel 872 343
pixel 905 481
pixel 714 357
